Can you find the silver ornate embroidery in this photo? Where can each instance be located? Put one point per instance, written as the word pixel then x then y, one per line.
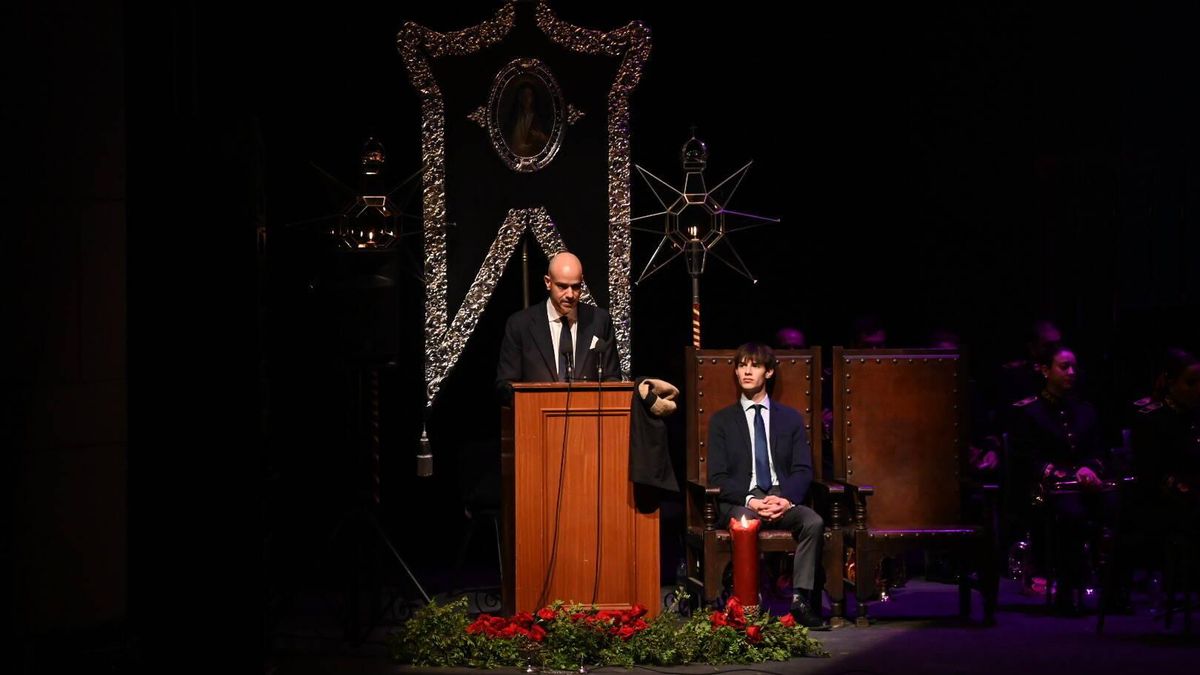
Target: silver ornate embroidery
pixel 417 45
pixel 574 114
pixel 479 116
pixel 476 301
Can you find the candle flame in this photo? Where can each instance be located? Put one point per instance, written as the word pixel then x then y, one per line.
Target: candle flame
pixel 745 523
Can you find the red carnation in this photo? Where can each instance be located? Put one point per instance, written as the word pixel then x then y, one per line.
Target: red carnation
pixel 788 620
pixel 737 612
pixel 754 634
pixel 546 614
pixel 478 625
pixel 608 615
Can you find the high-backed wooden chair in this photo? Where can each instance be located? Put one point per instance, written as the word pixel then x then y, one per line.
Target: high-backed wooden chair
pixel 899 436
pixel 709 387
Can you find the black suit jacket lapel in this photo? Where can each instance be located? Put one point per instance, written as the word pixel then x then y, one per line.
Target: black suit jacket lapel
pixel 583 341
pixel 539 326
pixel 744 447
pixel 777 450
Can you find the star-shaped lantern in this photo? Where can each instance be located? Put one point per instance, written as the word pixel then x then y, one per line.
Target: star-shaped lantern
pixel 696 222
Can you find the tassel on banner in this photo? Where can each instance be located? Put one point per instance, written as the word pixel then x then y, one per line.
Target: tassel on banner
pixel 424 456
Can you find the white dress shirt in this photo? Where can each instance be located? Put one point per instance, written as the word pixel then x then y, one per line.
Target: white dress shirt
pixel 556 329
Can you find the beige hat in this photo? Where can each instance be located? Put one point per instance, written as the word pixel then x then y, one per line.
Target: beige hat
pixel 660 395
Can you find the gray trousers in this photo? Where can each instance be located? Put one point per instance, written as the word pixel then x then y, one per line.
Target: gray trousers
pixel 806 526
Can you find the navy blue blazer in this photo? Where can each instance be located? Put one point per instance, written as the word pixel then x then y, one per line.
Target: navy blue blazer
pixel 527 353
pixel 731 459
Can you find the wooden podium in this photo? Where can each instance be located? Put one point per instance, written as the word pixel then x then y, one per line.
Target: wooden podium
pixel 561 534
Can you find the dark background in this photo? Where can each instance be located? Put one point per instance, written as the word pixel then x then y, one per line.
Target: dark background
pixel 182 386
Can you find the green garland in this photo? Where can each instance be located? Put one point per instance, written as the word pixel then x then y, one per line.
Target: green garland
pixel 564 637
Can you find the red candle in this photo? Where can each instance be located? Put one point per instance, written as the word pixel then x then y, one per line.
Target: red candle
pixel 745 559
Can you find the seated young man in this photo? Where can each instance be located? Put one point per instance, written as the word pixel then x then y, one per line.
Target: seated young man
pixel 759 457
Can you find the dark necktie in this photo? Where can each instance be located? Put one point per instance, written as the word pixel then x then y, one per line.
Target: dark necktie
pixel 564 349
pixel 762 465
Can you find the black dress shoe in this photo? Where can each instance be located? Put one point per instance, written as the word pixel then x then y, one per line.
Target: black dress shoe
pixel 805 616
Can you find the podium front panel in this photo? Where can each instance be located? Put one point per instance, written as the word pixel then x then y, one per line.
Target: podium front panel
pixel 570 514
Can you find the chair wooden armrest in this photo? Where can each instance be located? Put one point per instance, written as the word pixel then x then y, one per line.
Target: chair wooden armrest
pixel 710 507
pixel 858 498
pixel 855 489
pixel 706 497
pixel 827 499
pixel 826 488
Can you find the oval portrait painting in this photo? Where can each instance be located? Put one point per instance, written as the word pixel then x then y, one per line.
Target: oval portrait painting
pixel 525 118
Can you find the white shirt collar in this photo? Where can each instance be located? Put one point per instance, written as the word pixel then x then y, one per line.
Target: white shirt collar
pixel 766 402
pixel 552 313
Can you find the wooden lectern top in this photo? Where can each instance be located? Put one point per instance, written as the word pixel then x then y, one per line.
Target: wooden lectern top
pixel 577 385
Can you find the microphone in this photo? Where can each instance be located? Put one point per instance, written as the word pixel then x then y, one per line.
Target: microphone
pixel 599 346
pixel 570 364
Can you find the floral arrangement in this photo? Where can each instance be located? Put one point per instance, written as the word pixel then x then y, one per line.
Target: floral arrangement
pixel 565 637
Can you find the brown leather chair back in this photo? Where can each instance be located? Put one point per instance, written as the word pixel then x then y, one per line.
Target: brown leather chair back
pixel 899 425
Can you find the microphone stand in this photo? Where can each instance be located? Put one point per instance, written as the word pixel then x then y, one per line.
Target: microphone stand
pixel 599 356
pixel 562 480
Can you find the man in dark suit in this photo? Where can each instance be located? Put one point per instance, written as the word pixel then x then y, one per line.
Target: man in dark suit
pixel 560 339
pixel 759 456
